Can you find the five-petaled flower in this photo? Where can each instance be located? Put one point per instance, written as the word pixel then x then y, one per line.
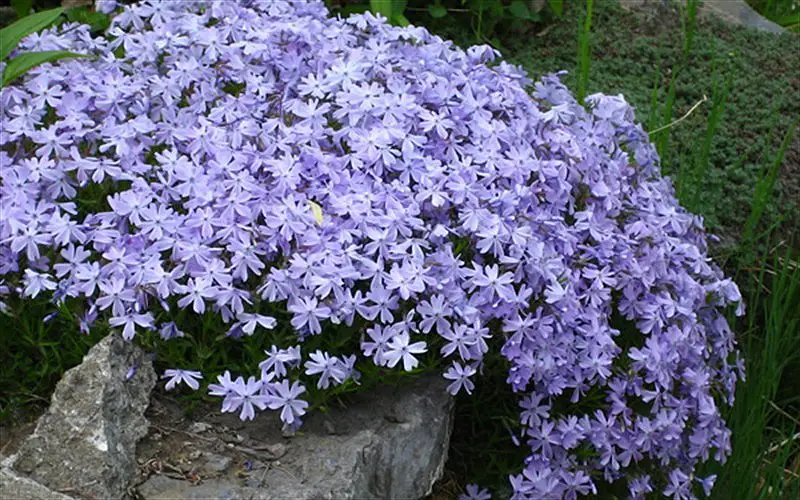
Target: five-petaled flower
pixel 400 349
pixel 187 377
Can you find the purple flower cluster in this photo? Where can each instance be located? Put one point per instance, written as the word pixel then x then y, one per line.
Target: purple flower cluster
pixel 351 172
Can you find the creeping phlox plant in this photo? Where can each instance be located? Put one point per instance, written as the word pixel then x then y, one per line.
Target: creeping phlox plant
pixel 258 156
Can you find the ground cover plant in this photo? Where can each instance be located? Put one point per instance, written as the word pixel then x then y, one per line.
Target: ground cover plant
pixel 635 54
pixel 396 222
pixel 664 65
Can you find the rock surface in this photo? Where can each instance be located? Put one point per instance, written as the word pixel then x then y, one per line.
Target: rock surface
pixel 86 441
pixel 16 487
pixel 390 443
pixel 736 12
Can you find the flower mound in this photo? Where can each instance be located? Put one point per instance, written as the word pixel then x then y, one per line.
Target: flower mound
pixel 349 172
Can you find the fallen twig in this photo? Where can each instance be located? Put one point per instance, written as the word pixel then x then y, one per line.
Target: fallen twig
pixel 78 489
pixel 189 433
pixel 778 446
pixel 785 414
pixel 659 129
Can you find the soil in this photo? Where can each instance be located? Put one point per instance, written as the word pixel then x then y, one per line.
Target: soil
pixel 209 445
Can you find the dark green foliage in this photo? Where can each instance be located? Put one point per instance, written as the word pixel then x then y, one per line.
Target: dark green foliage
pixel 22 7
pixel 35 353
pixel 481 447
pixel 10 37
pixel 483 18
pixel 84 15
pixel 763 421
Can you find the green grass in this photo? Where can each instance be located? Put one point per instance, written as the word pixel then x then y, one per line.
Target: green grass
pixel 765 445
pixel 765 186
pixel 584 55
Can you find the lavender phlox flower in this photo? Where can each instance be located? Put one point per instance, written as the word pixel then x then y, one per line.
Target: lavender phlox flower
pixel 376 346
pixel 85 321
pixel 278 360
pixel 130 320
pixel 116 295
pixel 406 279
pixel 534 412
pixel 285 399
pixel 707 483
pixel 640 486
pixel 460 375
pixel 400 348
pixel 223 388
pixel 246 395
pixel 460 339
pixel 435 313
pixel 348 366
pixel 105 6
pixel 329 368
pixel 680 485
pixel 170 330
pixel 196 290
pixel 36 282
pixel 475 492
pixel 384 302
pixel 250 321
pixel 176 376
pixel 307 313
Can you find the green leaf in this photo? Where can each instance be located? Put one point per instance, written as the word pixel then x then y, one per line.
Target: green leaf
pixel 437 10
pixel 22 7
pixel 495 8
pixel 383 7
pixel 11 35
pixel 557 6
pixel 789 20
pixel 97 20
pixel 519 9
pixel 399 6
pixel 400 20
pixel 19 65
pixel 353 9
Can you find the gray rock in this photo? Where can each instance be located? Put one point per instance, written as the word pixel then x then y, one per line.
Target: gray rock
pixel 736 12
pixel 390 443
pixel 15 487
pixel 199 427
pixel 161 487
pixel 739 12
pixel 86 442
pixel 217 463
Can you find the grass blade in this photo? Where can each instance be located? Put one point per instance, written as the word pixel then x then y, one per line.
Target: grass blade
pixel 584 56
